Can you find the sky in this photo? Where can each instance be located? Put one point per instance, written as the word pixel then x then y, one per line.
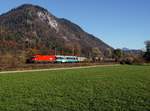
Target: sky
pixel 119 23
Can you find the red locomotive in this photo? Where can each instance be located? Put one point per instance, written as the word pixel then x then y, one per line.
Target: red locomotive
pixel 42 58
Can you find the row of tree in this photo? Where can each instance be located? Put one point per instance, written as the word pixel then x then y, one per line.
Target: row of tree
pixel 131 58
pixel 147 53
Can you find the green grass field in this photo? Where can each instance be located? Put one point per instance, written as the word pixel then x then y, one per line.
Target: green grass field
pixel 115 88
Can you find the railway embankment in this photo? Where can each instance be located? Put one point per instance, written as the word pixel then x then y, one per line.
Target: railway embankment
pixel 8 67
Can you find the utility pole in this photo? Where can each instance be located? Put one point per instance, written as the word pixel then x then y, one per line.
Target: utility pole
pixel 62 52
pixel 0 30
pixel 73 51
pixel 55 51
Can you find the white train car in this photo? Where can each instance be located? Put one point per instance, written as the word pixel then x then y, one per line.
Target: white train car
pixel 82 59
pixel 66 59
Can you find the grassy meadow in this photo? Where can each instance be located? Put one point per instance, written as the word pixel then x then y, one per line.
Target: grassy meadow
pixel 113 88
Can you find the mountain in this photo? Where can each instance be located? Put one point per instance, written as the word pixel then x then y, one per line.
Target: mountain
pixel 30 27
pixel 132 51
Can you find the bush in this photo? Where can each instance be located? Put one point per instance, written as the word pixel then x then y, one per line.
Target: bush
pixel 147 56
pixel 132 60
pixel 127 60
pixel 12 59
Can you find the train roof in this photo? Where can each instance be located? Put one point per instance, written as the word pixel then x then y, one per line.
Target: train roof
pixel 64 56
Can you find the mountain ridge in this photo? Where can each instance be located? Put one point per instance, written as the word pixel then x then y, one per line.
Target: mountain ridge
pixel 44 31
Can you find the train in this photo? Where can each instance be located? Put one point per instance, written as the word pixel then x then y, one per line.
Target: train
pixel 54 59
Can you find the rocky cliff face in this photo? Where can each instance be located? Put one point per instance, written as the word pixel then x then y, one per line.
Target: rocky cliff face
pixel 33 27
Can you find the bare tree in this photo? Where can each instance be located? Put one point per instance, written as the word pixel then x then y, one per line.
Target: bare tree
pixel 147 43
pixel 147 53
pixel 96 54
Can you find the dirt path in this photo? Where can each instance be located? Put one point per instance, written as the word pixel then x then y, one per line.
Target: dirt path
pixel 51 69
